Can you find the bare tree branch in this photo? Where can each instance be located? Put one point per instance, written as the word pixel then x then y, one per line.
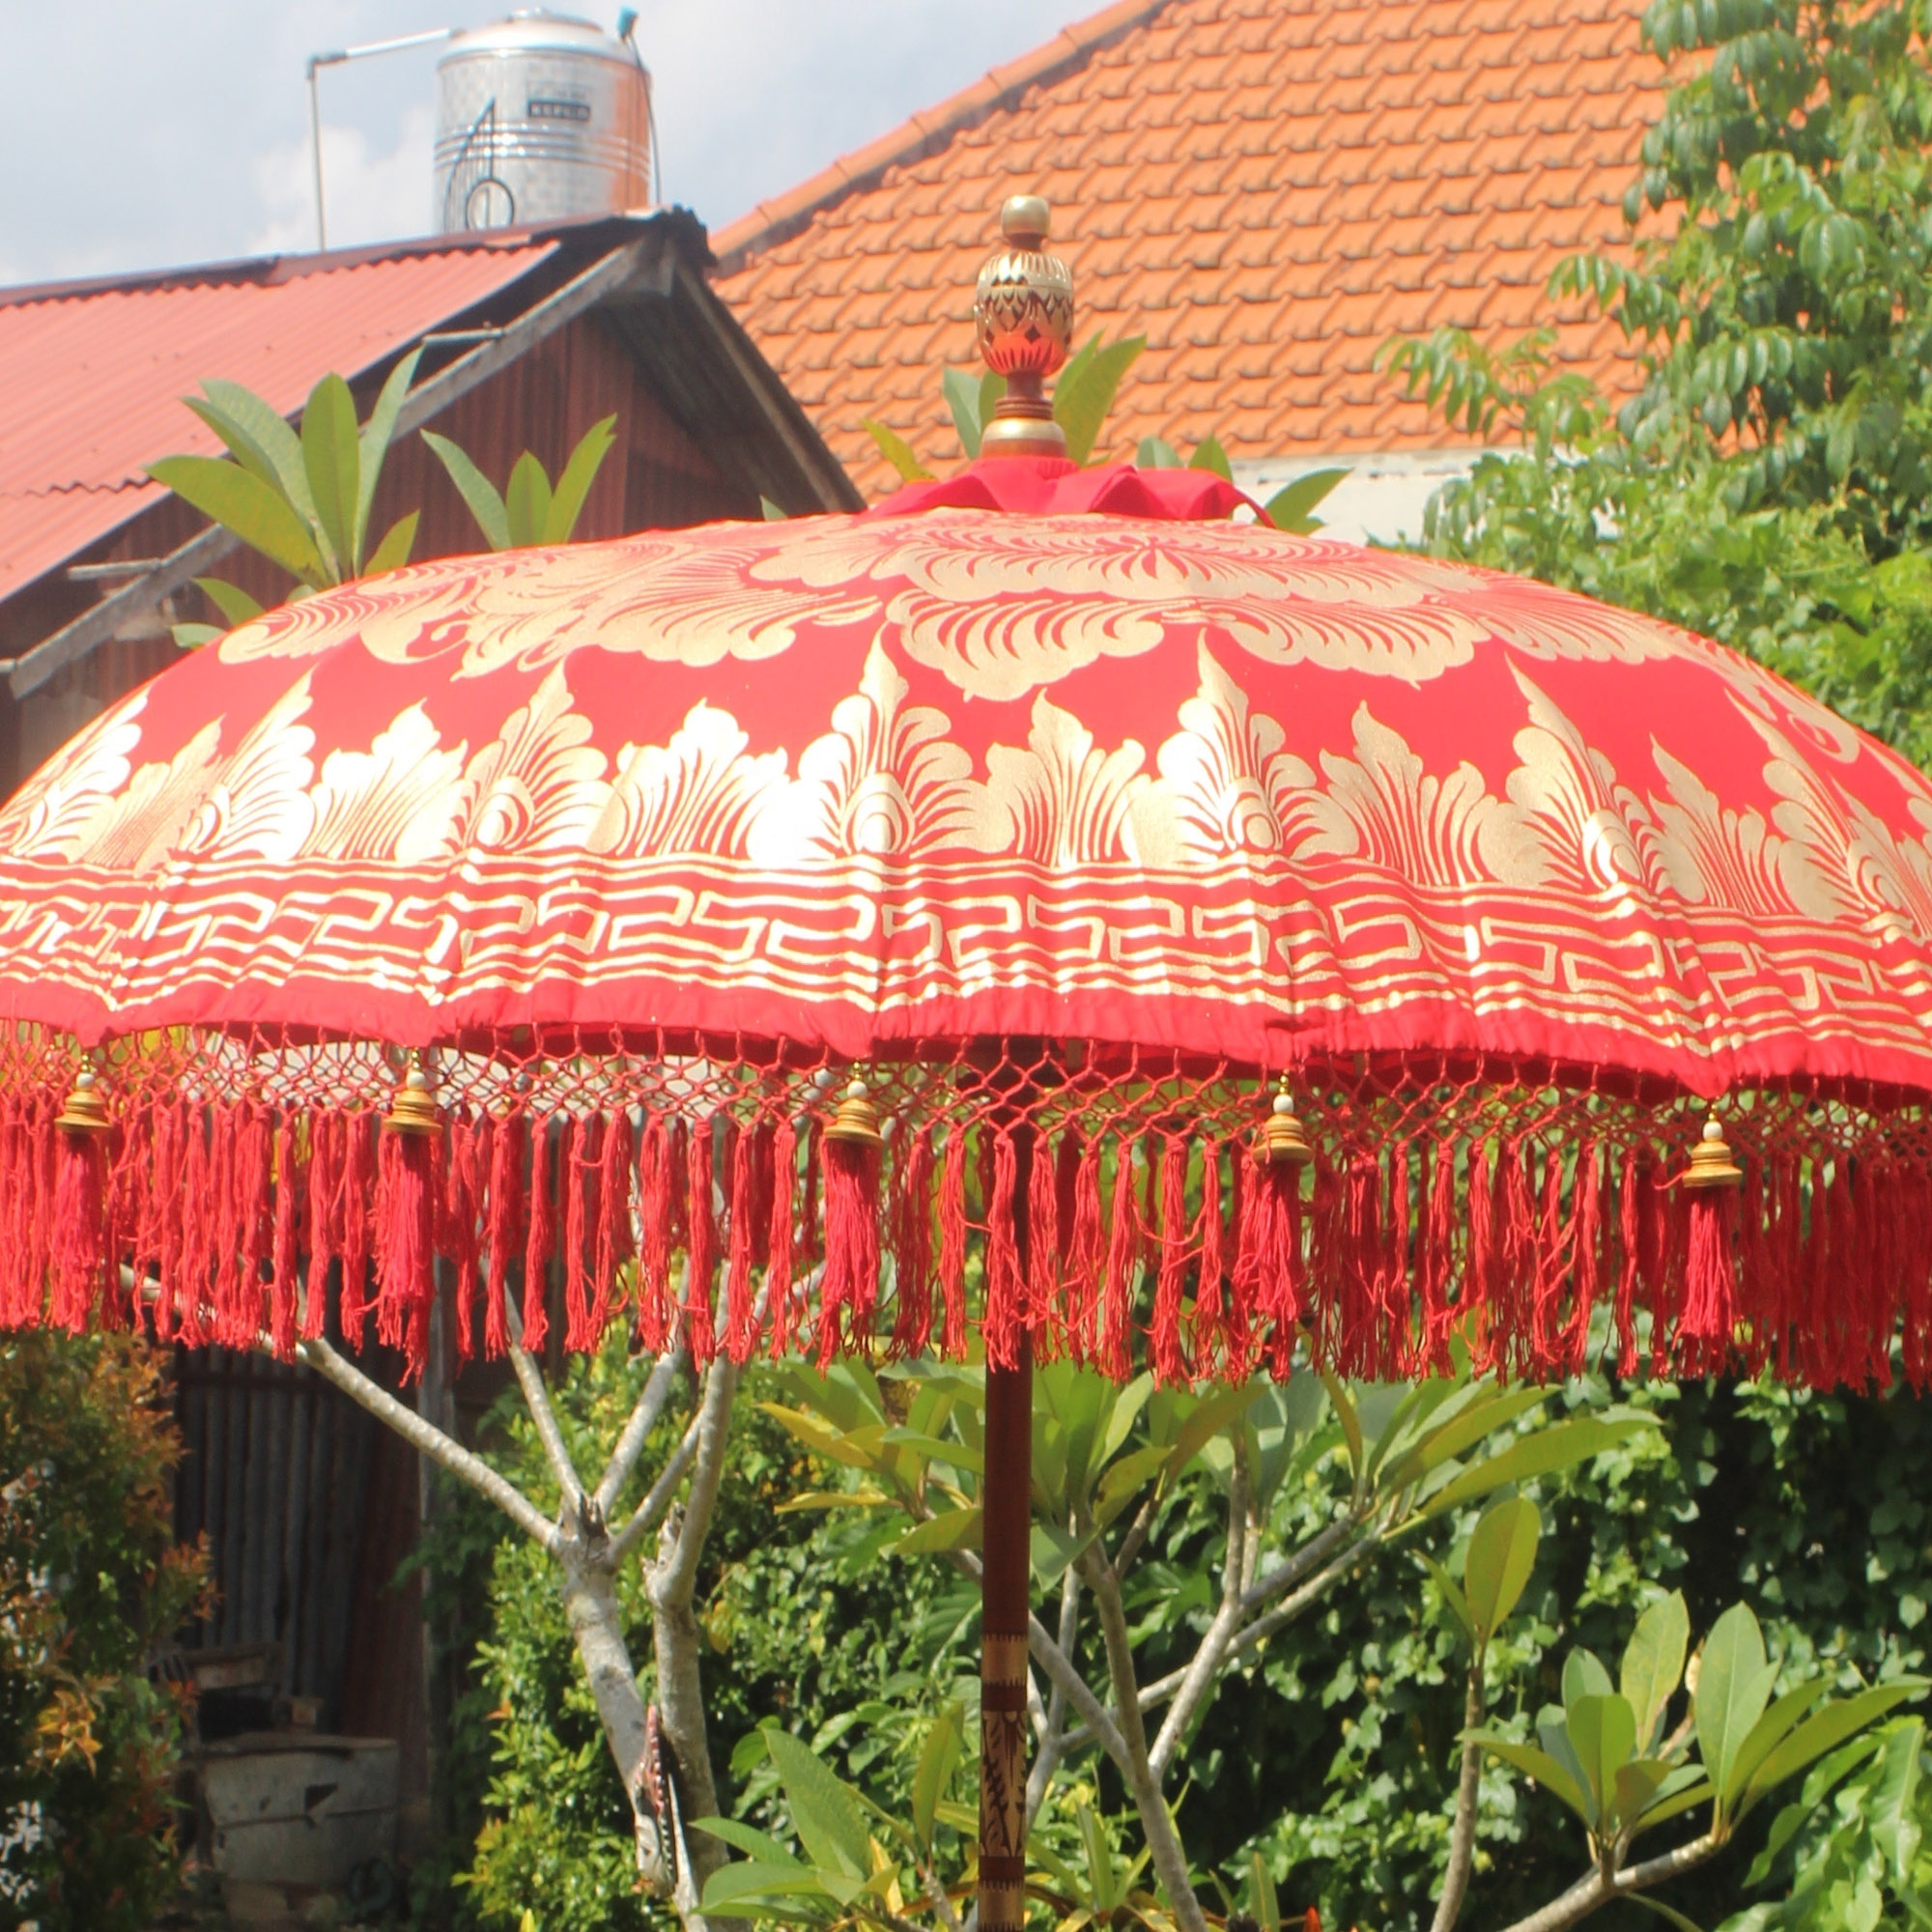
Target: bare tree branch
pixel 644 1418
pixel 1463 1832
pixel 1599 1888
pixel 1052 1737
pixel 1204 1670
pixel 643 1518
pixel 424 1437
pixel 536 1399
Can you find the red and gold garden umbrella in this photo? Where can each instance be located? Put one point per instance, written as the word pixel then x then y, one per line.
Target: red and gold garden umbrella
pixel 1048 905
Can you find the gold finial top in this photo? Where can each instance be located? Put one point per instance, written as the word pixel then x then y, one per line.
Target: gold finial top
pixel 1023 314
pixel 1711 1161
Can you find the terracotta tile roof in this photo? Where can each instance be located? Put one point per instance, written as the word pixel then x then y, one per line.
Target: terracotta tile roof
pixel 1265 188
pixel 91 373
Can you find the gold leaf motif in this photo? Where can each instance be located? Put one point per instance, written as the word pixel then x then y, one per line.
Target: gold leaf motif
pixel 254 802
pixel 56 814
pixel 1224 767
pixel 885 782
pixel 399 800
pixel 538 785
pixel 700 794
pixel 1072 804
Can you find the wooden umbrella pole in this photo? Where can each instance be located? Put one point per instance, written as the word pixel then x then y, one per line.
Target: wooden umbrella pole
pixel 1005 1607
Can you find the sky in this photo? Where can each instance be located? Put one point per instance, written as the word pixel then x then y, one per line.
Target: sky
pixel 177 131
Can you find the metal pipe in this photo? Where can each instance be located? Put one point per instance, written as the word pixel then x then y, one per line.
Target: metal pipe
pixel 334 57
pixel 1006 1602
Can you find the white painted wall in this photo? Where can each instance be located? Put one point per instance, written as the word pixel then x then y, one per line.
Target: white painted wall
pixel 1381 501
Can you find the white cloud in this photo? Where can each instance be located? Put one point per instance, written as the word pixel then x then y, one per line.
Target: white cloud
pixel 371 194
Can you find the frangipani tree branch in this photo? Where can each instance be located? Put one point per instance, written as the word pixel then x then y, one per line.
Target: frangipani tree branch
pixel 1599 1887
pixel 536 1399
pixel 644 1418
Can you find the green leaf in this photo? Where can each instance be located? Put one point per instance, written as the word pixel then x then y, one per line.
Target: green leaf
pixel 579 472
pixel 1342 1401
pixel 1824 1731
pixel 1210 1415
pixel 852 1447
pixel 938 1759
pixel 1684 1790
pixel 1772 1728
pixel 191 636
pixel 935 1448
pixel 897 451
pixel 230 599
pixel 475 488
pixel 1124 1479
pixel 1452 1595
pixel 393 551
pixel 1293 508
pixel 966 398
pixel 238 499
pixel 260 439
pixel 745 1838
pixel 374 452
pixel 1583 1676
pixel 1733 1686
pixel 1558 1447
pixel 1540 1766
pixel 832 1500
pixel 1458 1424
pixel 826 1814
pixel 1824 1776
pixel 1653 1663
pixel 1156 452
pixel 1636 1788
pixel 773 514
pixel 526 499
pixel 739 1890
pixel 1086 391
pixel 1602 1733
pixel 1212 456
pixel 1502 1553
pixel 333 461
pixel 952 1529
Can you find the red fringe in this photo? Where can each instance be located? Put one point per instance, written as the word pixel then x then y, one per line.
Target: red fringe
pixel 1044 1316
pixel 1168 1358
pixel 1711 1282
pixel 1590 1259
pixel 328 1154
pixel 741 1335
pixel 406 1245
pixel 1006 1318
pixel 287 1276
pixel 581 1175
pixel 912 1250
pixel 1123 1261
pixel 1217 1351
pixel 656 1308
pixel 616 1246
pixel 701 1320
pixel 540 1233
pixel 953 1230
pixel 1085 1243
pixel 358 1199
pixel 1436 1263
pixel 508 1144
pixel 849 1296
pixel 779 1270
pixel 79 1214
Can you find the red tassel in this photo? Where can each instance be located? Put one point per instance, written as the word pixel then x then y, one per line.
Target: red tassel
pixel 1586 1250
pixel 1548 1346
pixel 779 1271
pixel 540 1236
pixel 1436 1261
pixel 327 1146
pixel 912 1250
pixel 656 1225
pixel 700 1318
pixel 1086 1242
pixel 358 1196
pixel 1216 1349
pixel 79 1215
pixel 1711 1283
pixel 807 1249
pixel 163 1238
pixel 1656 1249
pixel 1630 1231
pixel 1005 1286
pixel 130 1157
pixel 460 1238
pixel 1479 1276
pixel 850 1290
pixel 580 1176
pixel 288 1241
pixel 1397 1327
pixel 406 1243
pixel 196 1218
pixel 1123 1260
pixel 1045 1319
pixel 952 1247
pixel 509 1140
pixel 1169 1359
pixel 1513 1303
pixel 616 1245
pixel 741 1335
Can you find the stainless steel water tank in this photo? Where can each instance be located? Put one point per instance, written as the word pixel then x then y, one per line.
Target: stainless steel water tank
pixel 539 118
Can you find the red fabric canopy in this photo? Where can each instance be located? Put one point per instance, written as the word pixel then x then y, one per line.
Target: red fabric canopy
pixel 859 782
pixel 1063 803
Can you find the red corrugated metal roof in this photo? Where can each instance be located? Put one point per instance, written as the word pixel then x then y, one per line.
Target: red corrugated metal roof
pixel 91 375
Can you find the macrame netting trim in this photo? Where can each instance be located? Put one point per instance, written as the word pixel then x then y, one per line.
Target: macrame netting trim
pixel 1110 1207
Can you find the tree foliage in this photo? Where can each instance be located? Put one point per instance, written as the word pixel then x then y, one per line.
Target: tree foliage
pixel 90 1586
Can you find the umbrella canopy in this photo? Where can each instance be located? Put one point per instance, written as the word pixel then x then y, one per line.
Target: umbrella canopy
pixel 1065 807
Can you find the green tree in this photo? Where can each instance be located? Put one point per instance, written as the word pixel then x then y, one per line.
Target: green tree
pixel 91 1585
pixel 1768 484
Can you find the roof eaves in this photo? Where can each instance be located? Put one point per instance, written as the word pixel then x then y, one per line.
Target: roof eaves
pixel 925 133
